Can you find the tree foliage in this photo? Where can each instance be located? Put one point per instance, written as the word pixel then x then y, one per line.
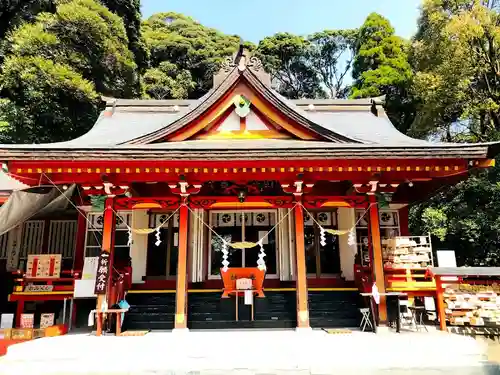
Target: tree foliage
pixel 381 67
pixel 130 12
pixel 316 66
pixel 180 40
pixel 56 66
pixel 456 55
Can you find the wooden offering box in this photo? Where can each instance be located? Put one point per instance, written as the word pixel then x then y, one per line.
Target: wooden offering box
pixel 230 276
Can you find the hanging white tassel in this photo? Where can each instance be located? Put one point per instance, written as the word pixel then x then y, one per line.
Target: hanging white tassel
pixel 158 240
pixel 351 239
pixel 129 237
pixel 225 254
pixel 261 263
pixel 322 237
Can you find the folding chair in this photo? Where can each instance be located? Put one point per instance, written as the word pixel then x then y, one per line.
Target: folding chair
pixel 406 316
pixel 366 319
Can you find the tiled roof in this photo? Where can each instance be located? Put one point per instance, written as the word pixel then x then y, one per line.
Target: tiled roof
pixel 348 129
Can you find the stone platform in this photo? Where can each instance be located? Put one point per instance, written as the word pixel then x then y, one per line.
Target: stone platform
pixel 250 352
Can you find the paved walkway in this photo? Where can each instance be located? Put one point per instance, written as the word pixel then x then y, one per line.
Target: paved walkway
pixel 250 352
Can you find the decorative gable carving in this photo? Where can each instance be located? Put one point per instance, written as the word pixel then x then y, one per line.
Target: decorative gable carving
pixel 242 59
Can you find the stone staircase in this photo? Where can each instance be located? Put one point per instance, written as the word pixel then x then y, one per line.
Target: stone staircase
pixel 334 309
pixel 153 311
pixel 206 310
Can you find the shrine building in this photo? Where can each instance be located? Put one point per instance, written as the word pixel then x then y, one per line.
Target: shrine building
pixel 173 196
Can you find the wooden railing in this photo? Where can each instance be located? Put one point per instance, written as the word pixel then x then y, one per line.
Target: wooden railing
pixel 408 279
pixel 65 282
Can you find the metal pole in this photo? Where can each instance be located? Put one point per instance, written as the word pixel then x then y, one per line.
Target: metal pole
pixel 70 323
pixel 64 311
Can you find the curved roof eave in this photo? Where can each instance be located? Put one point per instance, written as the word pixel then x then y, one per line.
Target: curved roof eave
pixel 229 81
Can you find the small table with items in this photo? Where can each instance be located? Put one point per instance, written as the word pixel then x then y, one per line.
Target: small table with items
pixel 100 315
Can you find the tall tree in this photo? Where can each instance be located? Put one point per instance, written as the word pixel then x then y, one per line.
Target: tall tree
pixel 14 12
pixel 286 57
pixel 180 40
pixel 456 54
pixel 331 55
pixel 56 67
pixel 130 12
pixel 381 67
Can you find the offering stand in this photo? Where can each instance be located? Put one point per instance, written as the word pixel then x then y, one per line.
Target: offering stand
pixel 243 280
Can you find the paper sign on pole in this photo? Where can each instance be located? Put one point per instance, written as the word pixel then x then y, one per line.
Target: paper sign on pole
pixel 46 320
pixel 7 321
pixel 446 258
pixel 85 287
pixel 248 297
pixel 375 293
pixel 27 320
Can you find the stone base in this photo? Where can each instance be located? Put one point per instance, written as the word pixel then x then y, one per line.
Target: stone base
pixel 383 330
pixel 180 331
pixel 303 329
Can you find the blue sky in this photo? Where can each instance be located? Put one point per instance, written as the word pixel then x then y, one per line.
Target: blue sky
pixel 256 19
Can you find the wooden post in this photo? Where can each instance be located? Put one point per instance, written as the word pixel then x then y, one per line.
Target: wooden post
pixel 377 261
pixel 81 232
pixel 302 304
pixel 108 242
pixel 181 289
pixel 19 312
pixel 440 304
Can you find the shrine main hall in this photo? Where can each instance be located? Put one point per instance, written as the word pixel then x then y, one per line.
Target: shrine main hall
pixel 183 198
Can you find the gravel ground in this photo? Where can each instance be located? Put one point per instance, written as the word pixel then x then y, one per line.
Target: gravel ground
pixel 251 352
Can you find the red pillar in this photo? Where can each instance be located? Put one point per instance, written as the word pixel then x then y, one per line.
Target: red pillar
pixel 19 312
pixel 377 261
pixel 108 242
pixel 302 297
pixel 440 304
pixel 181 286
pixel 81 232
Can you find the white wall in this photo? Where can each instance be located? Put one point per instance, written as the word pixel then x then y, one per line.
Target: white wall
pixel 139 247
pixel 347 219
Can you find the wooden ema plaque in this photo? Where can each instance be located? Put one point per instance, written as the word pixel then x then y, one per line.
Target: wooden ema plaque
pixel 46 266
pixel 230 277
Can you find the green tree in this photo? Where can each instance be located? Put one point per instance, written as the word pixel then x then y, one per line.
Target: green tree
pixel 130 12
pixel 167 82
pixel 180 40
pixel 331 55
pixel 14 12
pixel 381 67
pixel 456 54
pixel 50 101
pixel 286 57
pixel 464 218
pixel 57 66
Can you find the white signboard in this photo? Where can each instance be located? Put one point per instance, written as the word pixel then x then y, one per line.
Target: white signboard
pixel 446 258
pixel 90 268
pixel 84 288
pixel 27 320
pixel 46 320
pixel 248 297
pixel 7 321
pixel 243 284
